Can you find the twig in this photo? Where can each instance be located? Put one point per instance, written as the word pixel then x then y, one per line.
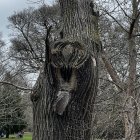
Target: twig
pixel 16 86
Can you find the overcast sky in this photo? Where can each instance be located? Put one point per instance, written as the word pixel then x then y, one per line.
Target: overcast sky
pixel 7 8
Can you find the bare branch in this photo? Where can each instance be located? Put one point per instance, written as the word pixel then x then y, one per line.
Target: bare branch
pixel 116 21
pixel 16 86
pixel 112 82
pixel 122 9
pixel 113 74
pixel 136 35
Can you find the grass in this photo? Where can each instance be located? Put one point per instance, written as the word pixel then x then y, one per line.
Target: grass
pixel 27 136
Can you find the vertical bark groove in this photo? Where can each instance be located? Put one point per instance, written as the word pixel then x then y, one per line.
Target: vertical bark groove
pixel 78 25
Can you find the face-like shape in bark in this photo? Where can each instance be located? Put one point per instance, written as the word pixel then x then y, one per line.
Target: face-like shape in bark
pixel 66 57
pixel 68 54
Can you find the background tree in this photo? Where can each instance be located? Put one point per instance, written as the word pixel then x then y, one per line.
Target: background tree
pixel 28 111
pixel 128 81
pixel 31 28
pixel 12 118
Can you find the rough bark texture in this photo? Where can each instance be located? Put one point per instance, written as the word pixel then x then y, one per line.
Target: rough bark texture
pixel 79 24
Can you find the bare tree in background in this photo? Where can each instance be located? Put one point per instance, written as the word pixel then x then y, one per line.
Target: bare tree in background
pixel 12 117
pixel 31 27
pixel 1 56
pixel 128 85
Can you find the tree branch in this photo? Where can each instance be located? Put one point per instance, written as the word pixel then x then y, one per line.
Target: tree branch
pixel 122 9
pixel 16 86
pixel 113 74
pixel 116 21
pixel 136 35
pixel 132 25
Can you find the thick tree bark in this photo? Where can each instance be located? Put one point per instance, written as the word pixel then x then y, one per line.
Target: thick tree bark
pixel 53 119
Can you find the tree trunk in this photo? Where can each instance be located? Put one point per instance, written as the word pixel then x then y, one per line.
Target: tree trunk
pixel 7 132
pixel 131 105
pixel 64 94
pixel 131 117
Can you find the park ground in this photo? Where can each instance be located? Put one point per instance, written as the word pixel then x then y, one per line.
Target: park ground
pixel 27 136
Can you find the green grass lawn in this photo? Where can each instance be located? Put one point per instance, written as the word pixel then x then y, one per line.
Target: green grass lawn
pixel 27 136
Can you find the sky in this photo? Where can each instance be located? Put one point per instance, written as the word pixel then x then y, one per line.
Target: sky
pixel 8 7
